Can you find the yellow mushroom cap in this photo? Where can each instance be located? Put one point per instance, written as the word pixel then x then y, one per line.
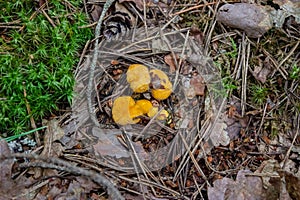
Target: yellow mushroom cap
pixel 161 94
pixel 163 115
pixel 145 105
pixel 138 77
pixel 124 111
pixel 152 112
pixel 135 112
pixel 162 87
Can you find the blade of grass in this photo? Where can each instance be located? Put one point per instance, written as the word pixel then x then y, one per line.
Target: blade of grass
pixel 11 138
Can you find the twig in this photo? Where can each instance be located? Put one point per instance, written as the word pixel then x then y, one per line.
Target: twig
pixel 12 27
pixel 56 163
pixel 34 15
pixel 81 56
pixel 32 122
pixel 192 8
pixel 292 145
pixel 90 87
pixel 289 54
pixel 48 18
pixel 245 66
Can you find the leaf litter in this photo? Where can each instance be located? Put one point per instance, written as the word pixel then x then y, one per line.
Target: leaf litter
pixel 250 156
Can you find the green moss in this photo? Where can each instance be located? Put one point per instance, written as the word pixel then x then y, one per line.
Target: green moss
pixel 40 59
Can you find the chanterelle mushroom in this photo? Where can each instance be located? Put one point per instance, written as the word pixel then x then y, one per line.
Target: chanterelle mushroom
pixel 162 87
pixel 138 77
pixel 125 111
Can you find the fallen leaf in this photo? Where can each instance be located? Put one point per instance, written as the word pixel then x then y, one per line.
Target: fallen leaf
pixel 262 72
pixel 244 188
pixel 9 188
pixel 170 60
pixel 234 121
pixel 217 124
pixel 109 145
pixel 197 82
pixel 52 146
pixel 287 8
pixel 197 34
pixel 292 185
pixel 41 2
pixel 5 169
pixel 251 18
pixel 96 11
pixel 139 3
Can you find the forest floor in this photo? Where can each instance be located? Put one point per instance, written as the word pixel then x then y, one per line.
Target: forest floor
pixel 229 129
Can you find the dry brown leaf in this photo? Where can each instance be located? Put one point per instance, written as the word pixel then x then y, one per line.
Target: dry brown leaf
pixel 41 2
pixel 287 8
pixel 54 132
pixel 197 34
pixel 170 60
pixel 109 145
pixel 52 148
pixel 96 11
pixel 244 188
pixel 9 188
pixel 262 72
pixel 5 170
pixel 292 185
pixel 139 3
pixel 197 82
pixel 235 122
pixel 251 18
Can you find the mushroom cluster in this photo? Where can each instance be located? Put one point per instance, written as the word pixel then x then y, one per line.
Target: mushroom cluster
pixel 126 110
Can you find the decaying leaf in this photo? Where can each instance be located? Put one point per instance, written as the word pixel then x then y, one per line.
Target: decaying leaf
pixel 76 188
pixel 251 18
pixel 9 188
pixel 292 185
pixel 96 11
pixel 109 145
pixel 193 86
pixel 52 148
pixel 244 188
pixel 287 8
pixel 5 169
pixel 170 60
pixel 139 3
pixel 217 126
pixel 197 83
pixel 278 183
pixel 262 71
pixel 234 120
pixel 197 34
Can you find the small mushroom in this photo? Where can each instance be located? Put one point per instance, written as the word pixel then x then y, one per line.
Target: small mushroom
pixel 152 112
pixel 125 111
pixel 162 87
pixel 138 77
pixel 145 105
pixel 163 115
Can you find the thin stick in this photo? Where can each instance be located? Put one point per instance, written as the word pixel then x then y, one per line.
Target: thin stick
pixel 32 122
pixel 90 87
pixel 48 18
pixel 192 8
pixel 56 163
